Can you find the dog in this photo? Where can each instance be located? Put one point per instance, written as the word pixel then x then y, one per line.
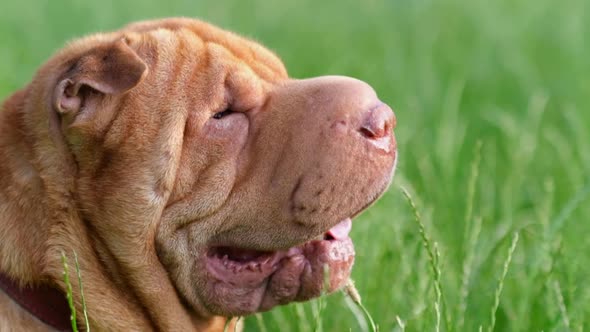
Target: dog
pixel 189 177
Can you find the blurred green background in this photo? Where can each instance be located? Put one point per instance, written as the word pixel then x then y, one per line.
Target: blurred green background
pixel 511 74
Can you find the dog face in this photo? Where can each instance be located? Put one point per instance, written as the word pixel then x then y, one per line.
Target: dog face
pixel 195 154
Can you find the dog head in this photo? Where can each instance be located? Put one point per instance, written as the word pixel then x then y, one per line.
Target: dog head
pixel 198 163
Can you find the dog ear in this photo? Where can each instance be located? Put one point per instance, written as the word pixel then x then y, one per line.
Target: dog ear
pixel 109 69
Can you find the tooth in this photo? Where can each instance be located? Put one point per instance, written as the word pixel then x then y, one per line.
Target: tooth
pixel 225 257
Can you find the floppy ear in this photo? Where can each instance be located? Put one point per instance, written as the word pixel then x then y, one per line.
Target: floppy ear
pixel 108 69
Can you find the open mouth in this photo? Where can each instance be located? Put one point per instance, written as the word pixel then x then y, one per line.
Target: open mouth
pixel 278 277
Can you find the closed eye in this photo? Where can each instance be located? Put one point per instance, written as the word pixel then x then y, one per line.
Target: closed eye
pixel 222 114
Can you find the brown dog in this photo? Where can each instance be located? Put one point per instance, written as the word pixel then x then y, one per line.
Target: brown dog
pixel 191 176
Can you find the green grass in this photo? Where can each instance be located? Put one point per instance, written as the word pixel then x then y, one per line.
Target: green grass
pixel 512 74
pixel 70 294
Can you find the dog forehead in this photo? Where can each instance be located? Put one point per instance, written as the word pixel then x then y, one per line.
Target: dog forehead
pixel 265 63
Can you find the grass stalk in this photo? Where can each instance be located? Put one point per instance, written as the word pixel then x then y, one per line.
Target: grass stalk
pixel 260 323
pixel 467 268
pixel 69 292
pixel 471 186
pixel 400 323
pixel 302 321
pixel 471 236
pixel 561 304
pixel 228 323
pixel 321 301
pixel 84 309
pixel 498 292
pixel 353 294
pixel 433 256
pixel 237 324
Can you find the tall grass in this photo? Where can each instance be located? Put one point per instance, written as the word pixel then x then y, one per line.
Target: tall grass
pixel 510 74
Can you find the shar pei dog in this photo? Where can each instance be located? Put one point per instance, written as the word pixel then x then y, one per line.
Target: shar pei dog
pixel 192 178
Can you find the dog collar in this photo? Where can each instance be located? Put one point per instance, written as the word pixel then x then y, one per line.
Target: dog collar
pixel 46 303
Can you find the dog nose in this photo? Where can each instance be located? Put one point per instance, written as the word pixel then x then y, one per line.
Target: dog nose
pixel 378 122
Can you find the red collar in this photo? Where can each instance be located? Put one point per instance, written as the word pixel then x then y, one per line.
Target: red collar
pixel 46 303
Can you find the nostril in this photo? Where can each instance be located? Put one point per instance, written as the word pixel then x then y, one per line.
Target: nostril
pixel 371 132
pixel 378 122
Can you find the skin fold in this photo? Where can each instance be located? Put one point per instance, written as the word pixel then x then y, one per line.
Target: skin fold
pixel 193 178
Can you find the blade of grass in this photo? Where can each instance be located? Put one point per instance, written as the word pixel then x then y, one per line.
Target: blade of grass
pixel 69 293
pixel 302 321
pixel 467 269
pixel 474 175
pixel 570 207
pixel 358 314
pixel 84 310
pixel 433 253
pixel 400 323
pixel 237 324
pixel 227 324
pixel 320 302
pixel 260 323
pixel 353 294
pixel 501 282
pixel 561 305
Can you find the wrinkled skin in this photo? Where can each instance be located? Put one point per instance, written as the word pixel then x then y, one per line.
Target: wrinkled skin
pixel 197 178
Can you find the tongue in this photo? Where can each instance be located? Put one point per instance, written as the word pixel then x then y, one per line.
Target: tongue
pixel 340 231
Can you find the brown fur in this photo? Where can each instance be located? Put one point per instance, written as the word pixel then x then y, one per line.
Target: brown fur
pixel 110 153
